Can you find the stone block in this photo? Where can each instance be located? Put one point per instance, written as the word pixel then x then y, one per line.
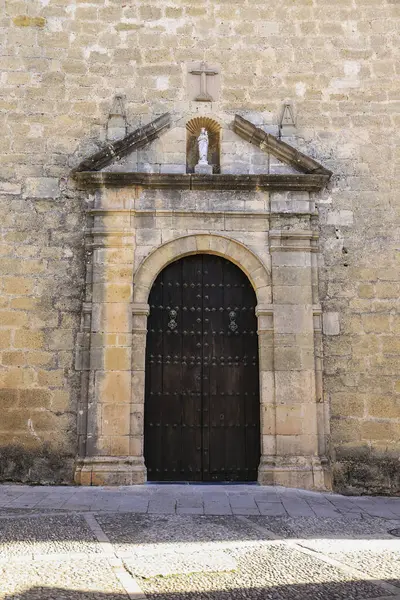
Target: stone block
pixel 27 21
pixel 115 419
pixel 268 419
pixel 376 323
pixel 293 358
pixel 330 323
pixel 289 420
pixel 29 339
pixel 379 430
pixel 268 445
pixel 14 421
pixel 292 276
pixel 292 294
pixel 60 401
pixel 203 169
pixel 8 398
pixel 34 399
pixel 345 430
pixel 42 187
pixel 113 387
pixel 112 292
pixel 119 445
pixel 290 318
pixel 295 387
pixel 18 285
pixel 347 404
pixel 137 423
pixel 61 339
pixel 117 359
pixel 383 407
pixel 6 187
pixel 13 318
pixel 148 237
pixel 296 445
pixel 291 259
pixel 53 378
pixel 138 388
pixel 112 317
pixel 136 445
pixel 340 217
pixel 171 168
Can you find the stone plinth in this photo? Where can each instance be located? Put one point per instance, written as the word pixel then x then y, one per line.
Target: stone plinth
pixel 203 169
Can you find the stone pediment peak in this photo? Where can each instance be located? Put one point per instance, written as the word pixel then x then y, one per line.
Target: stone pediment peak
pixel 281 150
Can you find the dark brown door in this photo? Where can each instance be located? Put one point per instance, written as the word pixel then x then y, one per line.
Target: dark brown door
pixel 202 413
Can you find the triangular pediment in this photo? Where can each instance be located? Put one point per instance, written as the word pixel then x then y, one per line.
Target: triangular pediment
pixel 270 163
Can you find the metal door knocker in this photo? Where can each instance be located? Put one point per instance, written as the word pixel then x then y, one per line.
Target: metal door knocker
pixel 233 326
pixel 172 324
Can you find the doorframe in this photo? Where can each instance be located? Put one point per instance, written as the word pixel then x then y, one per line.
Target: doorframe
pixel 260 279
pixel 291 426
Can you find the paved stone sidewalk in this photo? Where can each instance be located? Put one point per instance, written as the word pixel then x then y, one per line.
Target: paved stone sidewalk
pixel 246 500
pixel 181 542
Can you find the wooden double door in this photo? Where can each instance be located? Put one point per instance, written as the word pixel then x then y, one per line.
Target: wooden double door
pixel 202 411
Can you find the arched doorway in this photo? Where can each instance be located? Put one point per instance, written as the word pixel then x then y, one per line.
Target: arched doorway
pixel 202 407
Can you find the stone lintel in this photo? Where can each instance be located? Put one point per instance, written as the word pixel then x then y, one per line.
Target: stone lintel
pixel 302 182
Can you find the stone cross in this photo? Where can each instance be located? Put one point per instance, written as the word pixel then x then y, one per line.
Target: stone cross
pixel 204 72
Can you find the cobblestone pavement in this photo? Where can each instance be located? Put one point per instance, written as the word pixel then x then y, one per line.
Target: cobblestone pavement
pixel 178 542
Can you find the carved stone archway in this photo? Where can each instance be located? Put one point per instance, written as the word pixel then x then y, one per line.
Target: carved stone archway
pixel 266 225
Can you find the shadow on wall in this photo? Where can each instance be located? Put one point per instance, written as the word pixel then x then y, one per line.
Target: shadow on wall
pixel 324 591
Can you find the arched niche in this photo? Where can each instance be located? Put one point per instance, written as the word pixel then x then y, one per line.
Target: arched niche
pixel 193 128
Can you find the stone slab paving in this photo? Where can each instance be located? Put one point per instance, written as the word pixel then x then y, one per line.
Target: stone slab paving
pixel 178 542
pixel 250 500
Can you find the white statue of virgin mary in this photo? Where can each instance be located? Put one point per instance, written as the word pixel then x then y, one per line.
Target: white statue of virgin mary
pixel 202 141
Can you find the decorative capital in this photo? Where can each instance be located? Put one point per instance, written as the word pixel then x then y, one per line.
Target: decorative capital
pixel 293 241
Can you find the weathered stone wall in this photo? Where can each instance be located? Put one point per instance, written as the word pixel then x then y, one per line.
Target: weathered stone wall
pixel 63 61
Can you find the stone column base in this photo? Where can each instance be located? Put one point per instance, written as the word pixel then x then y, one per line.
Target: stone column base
pixel 306 472
pixel 110 470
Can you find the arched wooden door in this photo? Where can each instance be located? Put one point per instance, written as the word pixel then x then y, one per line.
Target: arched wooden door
pixel 202 411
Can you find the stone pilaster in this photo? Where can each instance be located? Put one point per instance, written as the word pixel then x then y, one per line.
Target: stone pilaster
pixel 109 442
pixel 296 461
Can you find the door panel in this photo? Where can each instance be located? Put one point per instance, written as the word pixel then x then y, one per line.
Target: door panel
pixel 202 393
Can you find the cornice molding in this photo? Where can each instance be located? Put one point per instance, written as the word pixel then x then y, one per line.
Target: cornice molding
pixel 284 182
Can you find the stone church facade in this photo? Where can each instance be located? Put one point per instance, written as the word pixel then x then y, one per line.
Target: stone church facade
pixel 101 192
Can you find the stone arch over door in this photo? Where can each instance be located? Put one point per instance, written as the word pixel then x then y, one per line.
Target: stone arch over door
pixel 259 276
